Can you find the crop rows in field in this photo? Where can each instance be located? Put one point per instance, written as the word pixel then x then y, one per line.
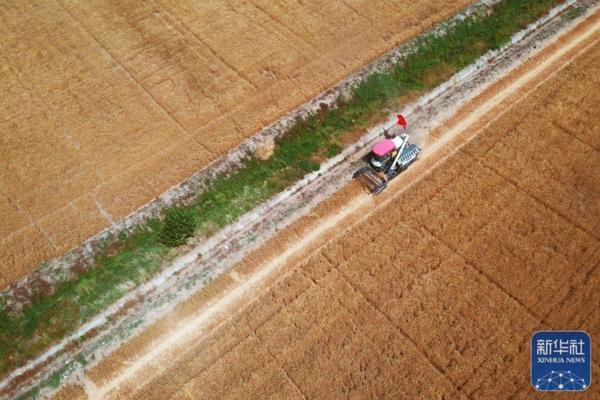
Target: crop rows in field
pixel 439 293
pixel 107 105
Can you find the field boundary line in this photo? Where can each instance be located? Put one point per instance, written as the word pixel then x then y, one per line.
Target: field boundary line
pixel 417 347
pixel 139 84
pixel 273 18
pixel 544 204
pixel 355 11
pixel 279 366
pixel 568 132
pixel 488 278
pixel 29 217
pixel 212 51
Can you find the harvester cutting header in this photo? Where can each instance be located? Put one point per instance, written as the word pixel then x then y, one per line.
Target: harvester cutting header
pixel 387 159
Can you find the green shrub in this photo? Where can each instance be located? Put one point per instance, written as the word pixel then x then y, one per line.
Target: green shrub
pixel 333 149
pixel 178 225
pixel 309 166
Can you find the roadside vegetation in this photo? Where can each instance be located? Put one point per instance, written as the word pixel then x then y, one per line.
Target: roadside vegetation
pixel 140 254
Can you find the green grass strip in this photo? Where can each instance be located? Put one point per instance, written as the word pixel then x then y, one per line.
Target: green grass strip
pixel 140 255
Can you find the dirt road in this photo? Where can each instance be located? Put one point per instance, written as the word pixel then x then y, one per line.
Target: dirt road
pixel 106 105
pixel 493 236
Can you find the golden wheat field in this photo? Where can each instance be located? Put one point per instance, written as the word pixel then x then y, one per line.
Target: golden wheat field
pixel 105 105
pixel 499 241
pixel 409 304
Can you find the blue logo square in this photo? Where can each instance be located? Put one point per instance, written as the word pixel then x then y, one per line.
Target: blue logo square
pixel 561 361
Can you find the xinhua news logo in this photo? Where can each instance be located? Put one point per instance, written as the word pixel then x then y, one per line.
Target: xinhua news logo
pixel 561 361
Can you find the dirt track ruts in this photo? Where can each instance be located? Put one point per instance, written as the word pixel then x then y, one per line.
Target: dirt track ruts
pixel 500 240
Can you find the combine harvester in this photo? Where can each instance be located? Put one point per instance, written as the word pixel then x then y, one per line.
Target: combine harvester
pixel 387 160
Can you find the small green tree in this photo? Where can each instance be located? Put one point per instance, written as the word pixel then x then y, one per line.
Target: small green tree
pixel 178 225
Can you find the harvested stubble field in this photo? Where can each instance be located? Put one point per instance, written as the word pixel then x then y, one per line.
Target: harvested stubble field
pixel 108 104
pixel 437 294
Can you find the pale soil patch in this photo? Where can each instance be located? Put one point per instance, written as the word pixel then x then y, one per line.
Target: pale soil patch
pixel 265 149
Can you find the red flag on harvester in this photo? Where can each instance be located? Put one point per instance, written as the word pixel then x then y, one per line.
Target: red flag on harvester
pixel 402 121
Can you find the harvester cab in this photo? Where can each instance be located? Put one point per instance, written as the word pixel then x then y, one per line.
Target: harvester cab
pixel 386 160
